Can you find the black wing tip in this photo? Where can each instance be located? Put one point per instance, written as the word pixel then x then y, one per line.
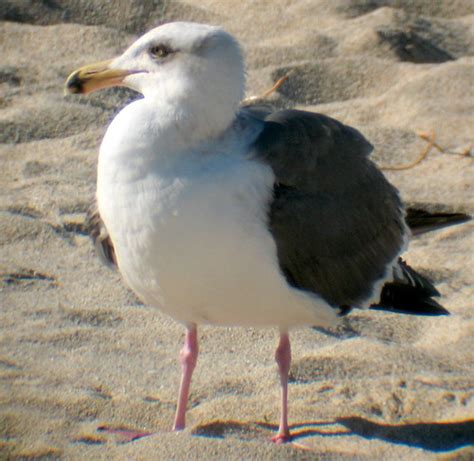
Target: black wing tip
pixel 408 299
pixel 420 309
pixel 420 283
pixel 410 293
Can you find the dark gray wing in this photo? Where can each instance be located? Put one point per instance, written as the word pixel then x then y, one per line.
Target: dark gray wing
pixel 336 220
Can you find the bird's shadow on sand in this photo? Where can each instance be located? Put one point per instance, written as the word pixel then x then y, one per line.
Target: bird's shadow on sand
pixel 436 437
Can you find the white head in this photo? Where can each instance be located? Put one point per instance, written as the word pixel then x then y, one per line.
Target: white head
pixel 193 66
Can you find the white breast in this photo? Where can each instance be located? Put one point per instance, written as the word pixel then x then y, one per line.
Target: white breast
pixel 191 237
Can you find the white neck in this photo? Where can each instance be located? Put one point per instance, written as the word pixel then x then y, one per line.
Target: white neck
pixel 152 134
pixel 189 119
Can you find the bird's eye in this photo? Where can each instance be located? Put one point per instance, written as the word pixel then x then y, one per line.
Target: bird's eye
pixel 160 51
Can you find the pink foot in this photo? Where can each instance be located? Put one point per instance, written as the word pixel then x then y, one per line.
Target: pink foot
pixel 126 435
pixel 280 439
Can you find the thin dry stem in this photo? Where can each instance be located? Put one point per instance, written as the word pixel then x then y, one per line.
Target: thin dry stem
pixel 266 94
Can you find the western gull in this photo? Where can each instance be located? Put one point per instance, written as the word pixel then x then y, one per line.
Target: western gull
pixel 240 216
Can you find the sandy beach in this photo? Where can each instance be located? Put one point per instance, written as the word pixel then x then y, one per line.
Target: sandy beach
pixel 83 362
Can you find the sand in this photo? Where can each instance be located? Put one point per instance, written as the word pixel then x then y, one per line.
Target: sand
pixel 79 352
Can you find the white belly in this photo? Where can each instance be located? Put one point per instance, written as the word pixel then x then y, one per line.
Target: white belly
pixel 196 245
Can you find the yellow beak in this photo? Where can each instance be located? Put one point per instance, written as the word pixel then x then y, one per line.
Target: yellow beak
pixel 94 77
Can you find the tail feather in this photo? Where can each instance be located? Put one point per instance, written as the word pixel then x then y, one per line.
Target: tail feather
pixel 421 221
pixel 409 293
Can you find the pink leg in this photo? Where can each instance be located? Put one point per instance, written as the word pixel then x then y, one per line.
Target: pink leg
pixel 188 358
pixel 283 359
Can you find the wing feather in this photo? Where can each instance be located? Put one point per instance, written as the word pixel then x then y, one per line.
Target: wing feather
pixel 337 222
